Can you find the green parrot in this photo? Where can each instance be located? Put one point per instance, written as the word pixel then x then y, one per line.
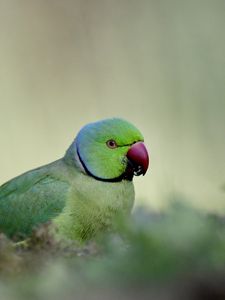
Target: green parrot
pixel 82 192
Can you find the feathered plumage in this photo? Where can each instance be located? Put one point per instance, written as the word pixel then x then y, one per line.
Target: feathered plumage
pixel 83 191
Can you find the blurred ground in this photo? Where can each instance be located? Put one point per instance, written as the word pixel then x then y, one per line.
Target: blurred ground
pixel 159 64
pixel 177 255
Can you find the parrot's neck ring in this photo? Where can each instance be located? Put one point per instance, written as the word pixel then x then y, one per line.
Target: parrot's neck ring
pixel 115 179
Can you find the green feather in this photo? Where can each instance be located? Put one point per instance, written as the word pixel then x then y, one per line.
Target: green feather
pixel 92 206
pixel 31 198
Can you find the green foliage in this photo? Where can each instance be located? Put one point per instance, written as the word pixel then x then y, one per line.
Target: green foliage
pixel 147 252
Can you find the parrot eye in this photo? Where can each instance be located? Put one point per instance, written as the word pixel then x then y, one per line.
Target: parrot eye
pixel 111 144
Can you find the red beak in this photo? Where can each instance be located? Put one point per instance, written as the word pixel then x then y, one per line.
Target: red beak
pixel 138 158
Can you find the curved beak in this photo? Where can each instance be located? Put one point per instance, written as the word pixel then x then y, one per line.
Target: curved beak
pixel 138 158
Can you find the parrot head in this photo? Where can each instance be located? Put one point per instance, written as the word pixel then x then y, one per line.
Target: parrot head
pixel 110 150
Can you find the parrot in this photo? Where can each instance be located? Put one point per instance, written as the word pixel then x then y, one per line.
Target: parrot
pixel 82 192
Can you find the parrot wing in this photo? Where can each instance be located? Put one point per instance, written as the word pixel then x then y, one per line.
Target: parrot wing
pixel 30 199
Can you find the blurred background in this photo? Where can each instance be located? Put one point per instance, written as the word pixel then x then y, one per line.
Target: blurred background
pixel 159 64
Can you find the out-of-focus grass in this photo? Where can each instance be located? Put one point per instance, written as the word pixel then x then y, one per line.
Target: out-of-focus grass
pixel 179 253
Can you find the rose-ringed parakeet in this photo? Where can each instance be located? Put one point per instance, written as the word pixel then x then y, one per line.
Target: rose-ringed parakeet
pixel 83 191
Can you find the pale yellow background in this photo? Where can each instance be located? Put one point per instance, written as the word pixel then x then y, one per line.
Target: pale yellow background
pixel 159 64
